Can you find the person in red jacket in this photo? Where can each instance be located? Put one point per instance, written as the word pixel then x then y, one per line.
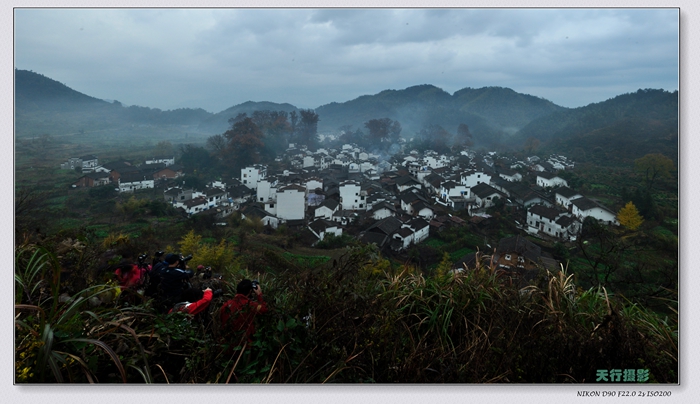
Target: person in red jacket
pixel 128 275
pixel 196 300
pixel 239 313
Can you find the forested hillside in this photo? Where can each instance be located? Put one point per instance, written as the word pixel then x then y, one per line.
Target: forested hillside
pixel 622 128
pixel 45 106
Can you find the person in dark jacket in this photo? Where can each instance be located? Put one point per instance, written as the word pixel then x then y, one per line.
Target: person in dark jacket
pixel 172 282
pixel 154 277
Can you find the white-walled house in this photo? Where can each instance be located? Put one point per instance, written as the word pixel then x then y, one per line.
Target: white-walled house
pixel 89 163
pixel 194 206
pixel 406 182
pixel 510 175
pixel 312 183
pixel 133 181
pixel 351 196
pixel 251 175
pixel 565 195
pixel 421 229
pixel 552 222
pixel 472 178
pixel 266 190
pixel 405 236
pixel 546 180
pixel 436 161
pixel 453 195
pixel 308 161
pixel 72 163
pixel 584 207
pixel 291 202
pixel 485 195
pixel 266 218
pixel 382 210
pixel 167 160
pixel 322 227
pixel 215 196
pixel 326 209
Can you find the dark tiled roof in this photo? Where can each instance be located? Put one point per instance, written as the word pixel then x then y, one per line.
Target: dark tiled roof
pixel 383 205
pixel 406 180
pixel 544 211
pixel 404 232
pixel 521 246
pixel 195 202
pixel 584 203
pixel 565 221
pixel 321 225
pixel 331 204
pixel 483 190
pixel 97 175
pixel 418 223
pixel 173 191
pixel 374 238
pixel 386 226
pixel 134 177
pixel 566 192
pixel 546 175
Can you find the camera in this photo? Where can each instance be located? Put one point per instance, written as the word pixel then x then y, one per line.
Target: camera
pixel 255 284
pixel 159 253
pixel 183 261
pixel 142 260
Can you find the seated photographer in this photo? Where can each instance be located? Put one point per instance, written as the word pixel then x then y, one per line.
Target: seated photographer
pixel 195 300
pixel 239 313
pixel 128 275
pixel 173 280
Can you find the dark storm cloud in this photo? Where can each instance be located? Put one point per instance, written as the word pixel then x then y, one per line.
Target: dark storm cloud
pixel 216 58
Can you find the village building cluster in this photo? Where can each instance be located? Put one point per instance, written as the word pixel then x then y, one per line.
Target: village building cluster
pixel 396 201
pixel 122 174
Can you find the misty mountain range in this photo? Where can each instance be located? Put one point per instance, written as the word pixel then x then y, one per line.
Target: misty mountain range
pixel 495 115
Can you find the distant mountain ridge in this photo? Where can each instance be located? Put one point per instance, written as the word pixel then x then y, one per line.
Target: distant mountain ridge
pixel 487 111
pixel 35 90
pixel 43 105
pixel 643 121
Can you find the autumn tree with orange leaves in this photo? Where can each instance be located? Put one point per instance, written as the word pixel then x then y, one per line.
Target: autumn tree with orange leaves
pixel 245 143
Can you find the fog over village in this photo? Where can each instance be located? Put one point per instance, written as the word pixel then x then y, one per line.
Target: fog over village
pixel 424 195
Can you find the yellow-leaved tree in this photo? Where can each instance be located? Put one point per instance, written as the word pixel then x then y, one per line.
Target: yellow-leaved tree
pixel 220 257
pixel 629 216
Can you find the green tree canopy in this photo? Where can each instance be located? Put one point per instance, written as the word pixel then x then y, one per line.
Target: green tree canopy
pixel 654 166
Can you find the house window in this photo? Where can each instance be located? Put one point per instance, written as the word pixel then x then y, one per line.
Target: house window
pixel 262 199
pixel 507 257
pixel 521 259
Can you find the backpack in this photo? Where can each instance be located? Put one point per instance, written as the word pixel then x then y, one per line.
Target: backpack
pixel 151 279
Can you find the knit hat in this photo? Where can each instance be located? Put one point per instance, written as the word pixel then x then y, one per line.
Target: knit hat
pixel 172 258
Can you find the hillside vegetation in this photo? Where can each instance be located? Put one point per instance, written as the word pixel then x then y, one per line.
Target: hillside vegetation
pixel 622 128
pixel 354 319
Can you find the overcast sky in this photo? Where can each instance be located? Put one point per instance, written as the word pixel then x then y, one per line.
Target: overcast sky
pixel 217 58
